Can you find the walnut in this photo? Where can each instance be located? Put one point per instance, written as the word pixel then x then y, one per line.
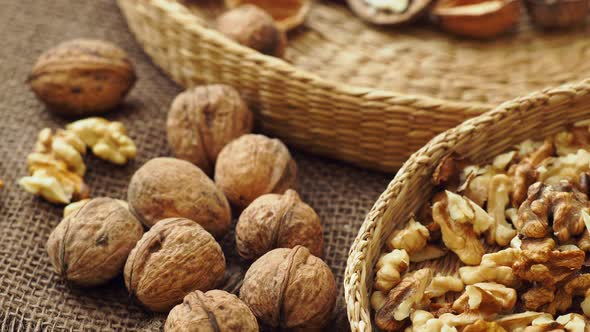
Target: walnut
pixel 401 299
pixel 389 269
pixel 494 267
pixel 573 322
pixel 427 253
pixel 424 321
pixel 569 167
pixel 165 187
pixel 500 231
pixel 253 27
pixel 90 246
pixel 290 289
pixel 517 322
pixel 278 221
pixel 561 301
pixel 459 237
pixel 502 161
pixel 82 77
pixel 254 165
pixel 548 269
pixel 584 240
pixel 56 167
pixel 73 207
pixel 108 140
pixel 585 305
pixel 448 170
pixel 377 300
pixel 215 310
pixel 462 210
pixel 440 285
pixel 464 319
pixel 476 183
pixel 538 296
pixel 172 259
pixel 203 120
pixel 525 173
pixel 561 205
pixel 411 238
pixel 571 141
pixel 487 298
pixel 484 326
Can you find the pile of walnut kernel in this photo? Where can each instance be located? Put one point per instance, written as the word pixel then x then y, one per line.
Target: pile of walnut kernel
pixel 519 228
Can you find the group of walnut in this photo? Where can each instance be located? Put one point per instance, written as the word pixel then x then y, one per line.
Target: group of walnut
pixel 519 227
pixel 184 202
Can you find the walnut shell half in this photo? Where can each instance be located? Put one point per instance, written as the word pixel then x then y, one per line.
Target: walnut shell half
pixel 215 310
pixel 172 259
pixel 394 13
pixel 82 77
pixel 90 246
pixel 278 221
pixel 290 288
pixel 169 187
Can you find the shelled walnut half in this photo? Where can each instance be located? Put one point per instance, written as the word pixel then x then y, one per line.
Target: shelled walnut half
pixel 411 238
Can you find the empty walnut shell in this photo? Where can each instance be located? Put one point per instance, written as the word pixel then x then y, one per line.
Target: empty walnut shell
pixel 394 13
pixel 172 259
pixel 290 288
pixel 90 246
pixel 169 187
pixel 254 165
pixel 477 18
pixel 253 27
pixel 82 77
pixel 278 221
pixel 215 310
pixel 203 120
pixel 557 14
pixel 288 14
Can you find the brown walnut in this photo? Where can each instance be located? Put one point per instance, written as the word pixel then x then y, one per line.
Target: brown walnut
pixel 90 246
pixel 168 187
pixel 82 77
pixel 215 310
pixel 278 221
pixel 254 165
pixel 203 120
pixel 253 27
pixel 172 259
pixel 290 289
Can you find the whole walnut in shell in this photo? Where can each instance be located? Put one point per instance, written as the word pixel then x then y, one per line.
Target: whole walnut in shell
pixel 172 259
pixel 253 27
pixel 90 246
pixel 278 221
pixel 82 77
pixel 203 120
pixel 290 289
pixel 215 310
pixel 169 187
pixel 254 165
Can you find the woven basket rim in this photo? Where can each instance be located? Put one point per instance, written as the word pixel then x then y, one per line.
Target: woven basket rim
pixel 182 15
pixel 442 144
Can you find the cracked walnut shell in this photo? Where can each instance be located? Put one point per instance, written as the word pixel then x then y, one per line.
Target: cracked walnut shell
pixel 290 289
pixel 82 77
pixel 169 187
pixel 254 165
pixel 278 221
pixel 172 259
pixel 215 310
pixel 90 246
pixel 202 120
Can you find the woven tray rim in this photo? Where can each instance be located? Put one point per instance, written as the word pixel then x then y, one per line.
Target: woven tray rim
pixel 359 265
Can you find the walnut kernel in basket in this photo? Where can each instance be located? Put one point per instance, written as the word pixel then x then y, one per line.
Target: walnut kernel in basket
pixel 440 285
pixel 488 298
pixel 411 238
pixel 389 269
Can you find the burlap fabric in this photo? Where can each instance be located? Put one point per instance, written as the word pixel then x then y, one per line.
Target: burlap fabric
pixel 32 296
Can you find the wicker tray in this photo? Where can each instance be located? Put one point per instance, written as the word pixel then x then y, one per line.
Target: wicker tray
pixel 334 94
pixel 534 116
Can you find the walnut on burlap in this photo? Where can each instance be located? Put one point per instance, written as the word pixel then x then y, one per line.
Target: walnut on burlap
pixel 32 296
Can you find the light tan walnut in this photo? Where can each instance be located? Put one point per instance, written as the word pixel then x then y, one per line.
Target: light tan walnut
pixel 500 232
pixel 494 267
pixel 464 319
pixel 519 321
pixel 569 167
pixel 584 240
pixel 475 183
pixel 401 300
pixel 215 310
pixel 440 285
pixel 390 268
pixel 411 238
pixel 573 322
pixel 427 253
pixel 108 140
pixel 487 298
pixel 576 137
pixel 424 321
pixel 63 145
pixel 585 305
pixel 463 210
pixel 377 299
pixel 484 326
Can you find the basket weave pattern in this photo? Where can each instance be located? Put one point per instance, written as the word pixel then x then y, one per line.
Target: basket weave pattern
pixel 478 139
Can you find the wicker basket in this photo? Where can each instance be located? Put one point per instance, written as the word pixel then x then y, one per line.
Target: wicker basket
pixel 328 112
pixel 479 139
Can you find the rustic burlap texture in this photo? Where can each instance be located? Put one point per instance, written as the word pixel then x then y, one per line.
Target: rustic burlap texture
pixel 32 296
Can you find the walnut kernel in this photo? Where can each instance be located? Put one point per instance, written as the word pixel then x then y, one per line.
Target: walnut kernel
pixel 389 269
pixel 411 238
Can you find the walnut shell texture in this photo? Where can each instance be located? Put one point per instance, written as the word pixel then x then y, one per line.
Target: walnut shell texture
pixel 82 77
pixel 168 187
pixel 203 120
pixel 253 27
pixel 172 259
pixel 215 310
pixel 90 246
pixel 254 165
pixel 278 221
pixel 290 288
